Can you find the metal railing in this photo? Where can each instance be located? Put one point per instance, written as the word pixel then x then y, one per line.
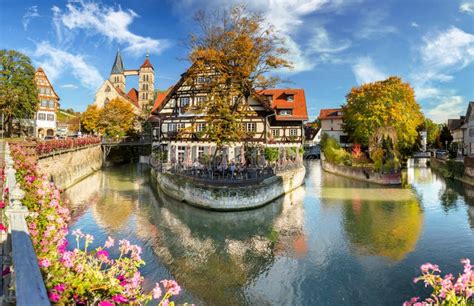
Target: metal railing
pixel 18 249
pixel 224 176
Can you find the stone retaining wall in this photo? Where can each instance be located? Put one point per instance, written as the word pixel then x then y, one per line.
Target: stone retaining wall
pixel 227 198
pixel 68 168
pixel 363 174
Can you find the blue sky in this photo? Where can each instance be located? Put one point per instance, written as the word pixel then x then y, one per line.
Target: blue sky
pixel 334 45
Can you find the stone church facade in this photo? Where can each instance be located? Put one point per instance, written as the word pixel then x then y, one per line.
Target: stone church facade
pixel 115 86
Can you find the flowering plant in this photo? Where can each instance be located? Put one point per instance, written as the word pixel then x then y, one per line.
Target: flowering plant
pixel 447 290
pixel 53 145
pixel 81 274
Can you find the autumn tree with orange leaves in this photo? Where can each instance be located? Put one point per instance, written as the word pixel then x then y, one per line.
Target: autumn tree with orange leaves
pixel 232 55
pixel 387 105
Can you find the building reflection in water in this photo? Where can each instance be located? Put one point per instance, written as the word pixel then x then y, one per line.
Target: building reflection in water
pixel 212 254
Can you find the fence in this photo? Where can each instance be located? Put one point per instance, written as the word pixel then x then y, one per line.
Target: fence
pixel 18 249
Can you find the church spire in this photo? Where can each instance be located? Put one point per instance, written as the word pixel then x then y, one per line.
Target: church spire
pixel 118 64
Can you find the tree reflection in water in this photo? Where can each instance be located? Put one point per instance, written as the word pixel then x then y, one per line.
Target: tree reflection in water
pixel 378 220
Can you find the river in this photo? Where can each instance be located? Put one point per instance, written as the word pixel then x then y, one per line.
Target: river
pixel 333 241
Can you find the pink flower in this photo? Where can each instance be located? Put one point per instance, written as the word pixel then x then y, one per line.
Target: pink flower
pixel 106 303
pixel 6 271
pixel 54 297
pixel 2 204
pixel 103 255
pixel 171 286
pixel 109 243
pixel 78 233
pixel 125 246
pixel 44 263
pixel 60 287
pixel 428 266
pixel 157 291
pixel 2 228
pixel 79 268
pixel 118 298
pixel 67 259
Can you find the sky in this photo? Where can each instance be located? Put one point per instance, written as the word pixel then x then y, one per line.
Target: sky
pixel 334 44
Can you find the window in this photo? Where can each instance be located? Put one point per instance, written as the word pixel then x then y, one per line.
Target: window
pixel 181 153
pixel 107 89
pixel 183 101
pixel 44 103
pixel 293 132
pixel 180 126
pixel 171 127
pixel 41 116
pixel 202 79
pixel 200 152
pixel 200 100
pixel 51 104
pixel 290 98
pixel 286 112
pixel 471 132
pixel 50 117
pixel 251 127
pixel 200 127
pixel 276 132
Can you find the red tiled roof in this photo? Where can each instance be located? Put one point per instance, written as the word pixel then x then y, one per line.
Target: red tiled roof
pixel 147 64
pixel 279 101
pixel 329 113
pixel 133 95
pixel 159 99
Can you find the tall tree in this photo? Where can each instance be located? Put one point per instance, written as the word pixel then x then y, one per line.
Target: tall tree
pixel 18 92
pixel 432 131
pixel 445 137
pixel 117 118
pixel 90 118
pixel 231 56
pixel 383 105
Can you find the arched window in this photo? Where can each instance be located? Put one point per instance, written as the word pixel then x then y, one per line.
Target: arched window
pixel 107 89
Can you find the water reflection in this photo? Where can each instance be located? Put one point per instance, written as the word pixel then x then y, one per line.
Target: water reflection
pixel 334 241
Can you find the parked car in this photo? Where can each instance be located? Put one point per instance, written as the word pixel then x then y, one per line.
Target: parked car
pixel 312 152
pixel 441 154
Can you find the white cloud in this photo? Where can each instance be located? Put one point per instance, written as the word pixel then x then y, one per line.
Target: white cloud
pixel 414 24
pixel 69 86
pixel 31 13
pixel 447 107
pixel 365 71
pixel 113 23
pixel 467 7
pixel 373 24
pixel 289 18
pixel 442 54
pixel 56 62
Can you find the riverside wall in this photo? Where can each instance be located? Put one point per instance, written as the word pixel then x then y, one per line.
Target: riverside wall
pixel 362 174
pixel 66 169
pixel 227 197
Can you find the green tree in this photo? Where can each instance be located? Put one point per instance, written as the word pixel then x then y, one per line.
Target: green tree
pixel 445 137
pixel 233 52
pixel 117 118
pixel 432 131
pixel 90 119
pixel 383 105
pixel 18 92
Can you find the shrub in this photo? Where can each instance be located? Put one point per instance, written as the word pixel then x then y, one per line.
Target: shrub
pixel 271 154
pixel 334 153
pixel 454 169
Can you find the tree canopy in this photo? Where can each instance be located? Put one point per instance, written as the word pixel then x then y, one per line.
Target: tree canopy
pixel 383 105
pixel 432 130
pixel 231 56
pixel 117 118
pixel 90 119
pixel 18 92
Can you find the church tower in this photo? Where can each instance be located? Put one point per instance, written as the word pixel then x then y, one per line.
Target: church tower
pixel 146 83
pixel 117 76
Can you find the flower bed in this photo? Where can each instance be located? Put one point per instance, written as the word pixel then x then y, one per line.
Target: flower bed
pixel 56 145
pixel 79 275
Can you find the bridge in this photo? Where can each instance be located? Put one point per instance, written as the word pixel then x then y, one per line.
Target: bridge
pixel 108 143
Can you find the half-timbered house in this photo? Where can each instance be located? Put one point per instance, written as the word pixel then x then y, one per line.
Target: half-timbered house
pixel 274 118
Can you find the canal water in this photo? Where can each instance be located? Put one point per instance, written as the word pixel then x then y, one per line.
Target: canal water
pixel 333 241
